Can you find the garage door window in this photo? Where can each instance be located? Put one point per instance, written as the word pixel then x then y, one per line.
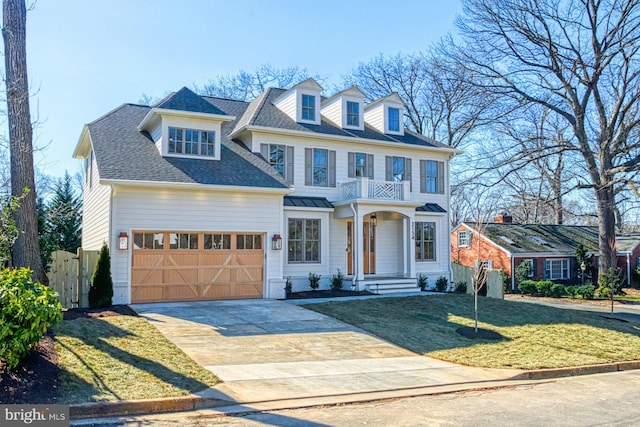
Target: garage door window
pixel 217 241
pixel 249 241
pixel 148 240
pixel 183 241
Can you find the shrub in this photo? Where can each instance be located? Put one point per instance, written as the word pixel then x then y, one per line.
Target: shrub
pixel 441 284
pixel 422 281
pixel 101 290
pixel 557 290
pixel 608 281
pixel 527 287
pixel 314 281
pixel 27 309
pixel 336 281
pixel 543 287
pixel 288 286
pixel 523 271
pixel 506 281
pixel 571 291
pixel 461 287
pixel 585 291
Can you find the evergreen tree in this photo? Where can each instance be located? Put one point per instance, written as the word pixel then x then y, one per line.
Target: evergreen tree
pixel 101 290
pixel 64 218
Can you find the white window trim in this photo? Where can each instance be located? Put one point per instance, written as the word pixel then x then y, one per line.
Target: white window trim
pixel 400 130
pixel 549 269
pixel 466 241
pixel 316 120
pixel 168 122
pixel 346 125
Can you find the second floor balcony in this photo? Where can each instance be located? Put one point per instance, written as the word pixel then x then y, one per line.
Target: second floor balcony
pixel 365 188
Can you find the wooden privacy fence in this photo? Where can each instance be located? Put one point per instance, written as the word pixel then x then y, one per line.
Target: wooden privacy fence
pixel 70 276
pixel 462 273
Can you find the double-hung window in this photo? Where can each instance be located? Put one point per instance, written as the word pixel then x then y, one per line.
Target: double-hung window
pixel 353 113
pixel 464 238
pixel 431 177
pixel 393 119
pixel 308 107
pixel 360 165
pixel 320 167
pixel 304 240
pixel 398 169
pixel 557 269
pixel 192 142
pixel 280 157
pixel 425 241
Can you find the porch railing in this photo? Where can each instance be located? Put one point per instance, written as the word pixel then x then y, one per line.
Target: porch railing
pixel 365 188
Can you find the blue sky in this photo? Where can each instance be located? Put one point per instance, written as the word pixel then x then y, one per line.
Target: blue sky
pixel 87 57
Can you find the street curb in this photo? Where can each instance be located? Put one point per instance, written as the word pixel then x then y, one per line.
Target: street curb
pixel 146 406
pixel 196 402
pixel 542 374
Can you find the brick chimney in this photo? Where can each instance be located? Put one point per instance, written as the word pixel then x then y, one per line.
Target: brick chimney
pixel 503 218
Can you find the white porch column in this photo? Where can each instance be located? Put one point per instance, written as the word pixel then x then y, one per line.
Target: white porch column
pixel 357 250
pixel 409 247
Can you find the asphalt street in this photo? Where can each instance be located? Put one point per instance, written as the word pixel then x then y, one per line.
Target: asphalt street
pixel 594 400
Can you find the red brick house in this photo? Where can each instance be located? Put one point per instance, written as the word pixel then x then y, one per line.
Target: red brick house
pixel 503 245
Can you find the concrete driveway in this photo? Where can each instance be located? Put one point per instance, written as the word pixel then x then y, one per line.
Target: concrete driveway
pixel 269 349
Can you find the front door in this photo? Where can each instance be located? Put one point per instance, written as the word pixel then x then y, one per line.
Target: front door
pixel 368 248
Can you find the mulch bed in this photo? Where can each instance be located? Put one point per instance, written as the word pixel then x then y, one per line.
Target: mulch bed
pixel 326 293
pixel 35 380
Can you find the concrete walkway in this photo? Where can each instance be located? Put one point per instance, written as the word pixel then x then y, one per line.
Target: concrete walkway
pixel 266 350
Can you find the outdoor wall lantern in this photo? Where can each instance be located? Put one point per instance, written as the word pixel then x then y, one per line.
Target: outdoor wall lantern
pixel 373 220
pixel 123 241
pixel 276 242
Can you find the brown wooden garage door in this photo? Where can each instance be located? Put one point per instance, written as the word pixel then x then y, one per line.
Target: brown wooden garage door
pixel 191 266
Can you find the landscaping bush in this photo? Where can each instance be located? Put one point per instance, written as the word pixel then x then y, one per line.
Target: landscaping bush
pixel 27 309
pixel 461 287
pixel 571 291
pixel 441 284
pixel 527 287
pixel 585 291
pixel 557 290
pixel 288 286
pixel 101 290
pixel 422 281
pixel 336 281
pixel 314 281
pixel 608 281
pixel 523 271
pixel 543 287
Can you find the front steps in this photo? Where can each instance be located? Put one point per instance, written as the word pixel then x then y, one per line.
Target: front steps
pixel 390 285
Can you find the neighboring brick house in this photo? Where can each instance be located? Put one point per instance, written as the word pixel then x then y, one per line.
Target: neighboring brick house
pixel 503 245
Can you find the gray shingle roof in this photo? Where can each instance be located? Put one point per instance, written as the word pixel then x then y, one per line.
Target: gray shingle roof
pixel 124 153
pixel 307 202
pixel 533 238
pixel 186 100
pixel 626 243
pixel 262 112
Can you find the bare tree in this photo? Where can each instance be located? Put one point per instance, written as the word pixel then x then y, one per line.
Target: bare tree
pixel 577 58
pixel 246 86
pixel 26 251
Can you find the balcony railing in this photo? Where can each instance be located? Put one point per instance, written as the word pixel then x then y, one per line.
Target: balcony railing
pixel 365 188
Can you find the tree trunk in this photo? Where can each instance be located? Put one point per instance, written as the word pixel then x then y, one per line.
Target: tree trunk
pixel 26 250
pixel 606 229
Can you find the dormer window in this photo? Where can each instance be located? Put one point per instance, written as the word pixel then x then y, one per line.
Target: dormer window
pixel 191 141
pixel 353 113
pixel 308 107
pixel 393 119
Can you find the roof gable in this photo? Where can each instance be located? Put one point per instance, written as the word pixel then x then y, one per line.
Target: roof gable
pixel 186 100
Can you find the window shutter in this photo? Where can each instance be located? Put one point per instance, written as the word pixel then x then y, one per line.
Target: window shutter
pixel 388 161
pixel 423 176
pixel 544 273
pixel 407 172
pixel 308 166
pixel 534 266
pixel 332 168
pixel 264 150
pixel 370 165
pixel 441 177
pixel 351 166
pixel 289 161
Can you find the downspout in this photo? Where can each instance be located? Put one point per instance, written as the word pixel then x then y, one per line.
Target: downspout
pixel 629 269
pixel 452 285
pixel 111 216
pixel 354 251
pixel 513 275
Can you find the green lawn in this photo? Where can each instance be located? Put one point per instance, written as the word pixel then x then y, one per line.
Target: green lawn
pixel 535 336
pixel 122 358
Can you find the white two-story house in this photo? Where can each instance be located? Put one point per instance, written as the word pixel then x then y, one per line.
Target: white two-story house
pixel 206 198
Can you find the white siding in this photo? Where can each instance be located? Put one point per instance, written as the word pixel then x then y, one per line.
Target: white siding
pixel 439 267
pixel 95 211
pixel 389 250
pixel 168 209
pixel 333 111
pixel 288 105
pixel 374 117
